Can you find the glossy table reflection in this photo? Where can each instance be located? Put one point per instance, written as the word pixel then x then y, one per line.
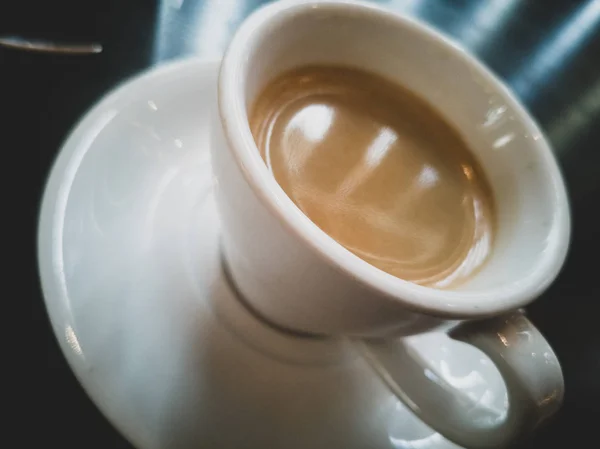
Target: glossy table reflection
pixel 548 52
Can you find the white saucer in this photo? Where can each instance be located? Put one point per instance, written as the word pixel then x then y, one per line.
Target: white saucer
pixel 133 283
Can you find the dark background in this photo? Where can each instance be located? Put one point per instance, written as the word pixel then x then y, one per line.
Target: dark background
pixel 548 52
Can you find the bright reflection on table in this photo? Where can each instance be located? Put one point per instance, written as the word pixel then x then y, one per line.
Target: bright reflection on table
pixel 202 28
pixel 550 58
pixel 484 21
pixel 579 116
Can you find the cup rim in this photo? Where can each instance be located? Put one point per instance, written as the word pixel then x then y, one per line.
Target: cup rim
pixel 451 304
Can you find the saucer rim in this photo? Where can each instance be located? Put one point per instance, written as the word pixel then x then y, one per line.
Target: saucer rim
pixel 126 91
pixel 46 220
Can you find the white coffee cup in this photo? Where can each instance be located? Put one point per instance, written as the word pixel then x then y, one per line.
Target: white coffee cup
pixel 299 278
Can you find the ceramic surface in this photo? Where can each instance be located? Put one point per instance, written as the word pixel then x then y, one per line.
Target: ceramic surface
pixel 298 277
pixel 328 289
pixel 134 286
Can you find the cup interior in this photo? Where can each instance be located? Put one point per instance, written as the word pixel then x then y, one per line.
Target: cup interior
pixel 532 212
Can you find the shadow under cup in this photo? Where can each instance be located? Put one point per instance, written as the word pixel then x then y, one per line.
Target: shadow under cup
pixel 505 140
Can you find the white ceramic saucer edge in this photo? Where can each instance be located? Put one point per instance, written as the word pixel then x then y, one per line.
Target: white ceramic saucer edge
pixel 92 202
pixel 95 117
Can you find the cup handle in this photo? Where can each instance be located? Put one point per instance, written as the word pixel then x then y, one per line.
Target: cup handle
pixel 529 367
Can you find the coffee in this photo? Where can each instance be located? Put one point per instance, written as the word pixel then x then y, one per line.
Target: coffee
pixel 379 170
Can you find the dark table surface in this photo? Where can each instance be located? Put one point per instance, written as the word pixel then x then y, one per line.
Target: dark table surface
pixel 548 52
